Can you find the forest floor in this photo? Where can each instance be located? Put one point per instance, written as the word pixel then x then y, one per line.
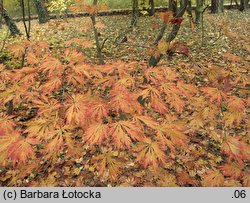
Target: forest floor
pixel 225 52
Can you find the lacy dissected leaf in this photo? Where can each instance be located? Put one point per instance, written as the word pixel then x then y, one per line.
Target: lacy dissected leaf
pixel 41 127
pixel 126 81
pixel 80 74
pixel 73 56
pixel 231 57
pixel 53 84
pixel 169 74
pixel 159 105
pixel 167 180
pixel 47 106
pixel 187 89
pixel 155 75
pixel 98 110
pixel 196 121
pixel 84 70
pixel 96 134
pixel 6 124
pixel 155 99
pixel 5 75
pixel 58 137
pixel 185 179
pixel 213 73
pixel 148 121
pixel 210 112
pixel 52 66
pixel 39 47
pixel 32 58
pixel 76 110
pixel 213 178
pixel 236 104
pixel 176 102
pixel 214 94
pixel 241 78
pixel 171 132
pixel 245 151
pixel 232 170
pixel 7 138
pixel 246 179
pixel 17 50
pixel 150 91
pixel 26 75
pixel 105 82
pixel 232 117
pixel 124 132
pixel 150 153
pixel 232 147
pixel 124 100
pixel 14 93
pixel 119 68
pixel 173 96
pixel 21 150
pixel 108 163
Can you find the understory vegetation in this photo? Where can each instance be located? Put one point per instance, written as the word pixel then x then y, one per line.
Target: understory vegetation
pixel 71 117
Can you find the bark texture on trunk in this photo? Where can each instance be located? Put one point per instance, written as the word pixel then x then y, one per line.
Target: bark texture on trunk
pixel 135 13
pixel 217 6
pixel 42 12
pixel 96 34
pixel 10 23
pixel 198 10
pixel 153 61
pixel 152 7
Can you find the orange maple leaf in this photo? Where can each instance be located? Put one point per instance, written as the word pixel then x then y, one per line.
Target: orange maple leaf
pixel 21 150
pixel 232 147
pixel 51 85
pixel 108 163
pixel 124 100
pixel 213 178
pixel 76 110
pixel 96 134
pixel 236 104
pixel 233 170
pixel 46 105
pixel 52 66
pixel 124 132
pixel 215 94
pixel 150 152
pixel 148 121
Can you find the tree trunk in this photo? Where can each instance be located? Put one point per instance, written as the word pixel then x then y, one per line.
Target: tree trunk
pixel 221 6
pixel 172 5
pixel 152 7
pixel 243 5
pixel 189 8
pixel 135 13
pixel 153 61
pixel 217 6
pixel 96 34
pixel 10 23
pixel 198 10
pixel 42 12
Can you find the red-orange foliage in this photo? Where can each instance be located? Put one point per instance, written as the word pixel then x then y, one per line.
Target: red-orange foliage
pixel 118 117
